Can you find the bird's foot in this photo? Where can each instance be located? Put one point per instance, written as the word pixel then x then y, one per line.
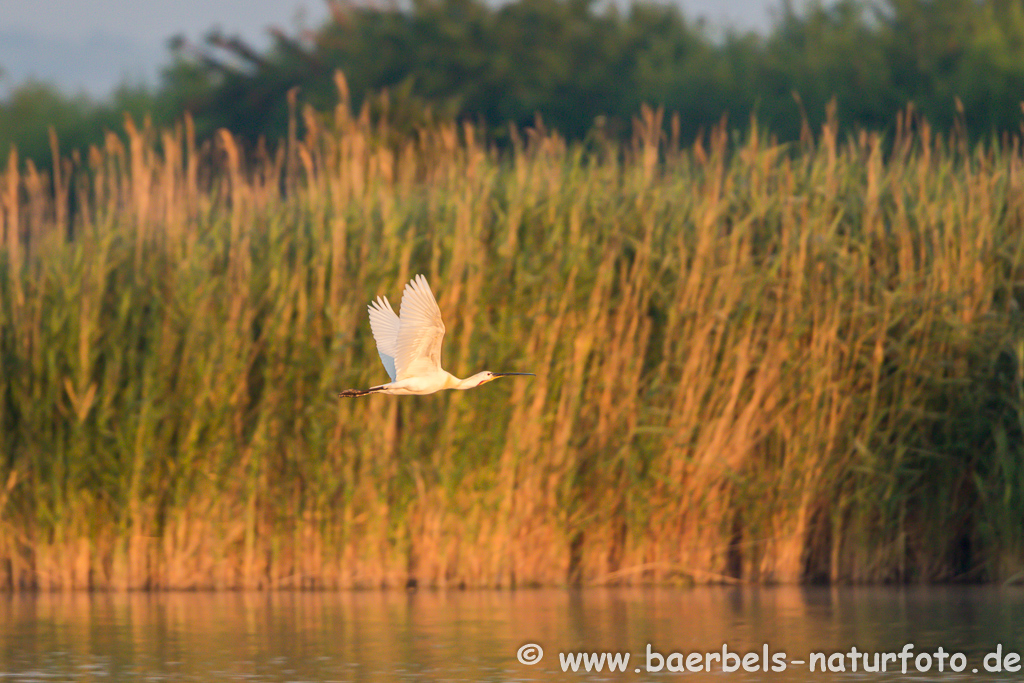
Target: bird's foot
pixel 354 392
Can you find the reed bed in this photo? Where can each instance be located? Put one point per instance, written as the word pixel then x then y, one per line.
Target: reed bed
pixel 755 362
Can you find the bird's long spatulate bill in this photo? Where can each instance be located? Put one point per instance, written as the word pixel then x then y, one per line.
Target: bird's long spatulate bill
pixel 507 374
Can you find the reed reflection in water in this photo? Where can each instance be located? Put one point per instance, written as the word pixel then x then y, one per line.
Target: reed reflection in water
pixel 475 635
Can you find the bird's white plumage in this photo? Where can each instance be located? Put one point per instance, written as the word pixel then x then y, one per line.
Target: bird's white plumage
pixel 420 332
pixel 384 324
pixel 409 346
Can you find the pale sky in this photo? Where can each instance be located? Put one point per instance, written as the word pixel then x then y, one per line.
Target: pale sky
pixel 92 45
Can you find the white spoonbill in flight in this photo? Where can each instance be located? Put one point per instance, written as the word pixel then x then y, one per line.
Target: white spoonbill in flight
pixel 410 346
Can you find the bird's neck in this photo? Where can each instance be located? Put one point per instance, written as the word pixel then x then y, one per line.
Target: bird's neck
pixel 462 384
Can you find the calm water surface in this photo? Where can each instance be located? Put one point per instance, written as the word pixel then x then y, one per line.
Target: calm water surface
pixel 476 635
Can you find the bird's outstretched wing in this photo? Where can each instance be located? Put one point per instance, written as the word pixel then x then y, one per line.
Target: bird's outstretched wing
pixel 420 331
pixel 384 325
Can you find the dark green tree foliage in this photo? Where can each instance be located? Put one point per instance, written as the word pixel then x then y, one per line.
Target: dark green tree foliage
pixel 965 49
pixel 34 108
pixel 577 62
pixel 571 62
pixel 563 60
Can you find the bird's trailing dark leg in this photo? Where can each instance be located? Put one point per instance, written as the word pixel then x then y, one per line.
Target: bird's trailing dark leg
pixel 359 392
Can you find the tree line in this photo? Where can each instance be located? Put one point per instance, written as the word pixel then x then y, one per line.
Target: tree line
pixel 581 67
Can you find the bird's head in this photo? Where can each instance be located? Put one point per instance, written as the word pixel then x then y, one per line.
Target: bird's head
pixel 486 376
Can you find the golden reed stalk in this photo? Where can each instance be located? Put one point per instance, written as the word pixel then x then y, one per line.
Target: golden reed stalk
pixel 755 362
